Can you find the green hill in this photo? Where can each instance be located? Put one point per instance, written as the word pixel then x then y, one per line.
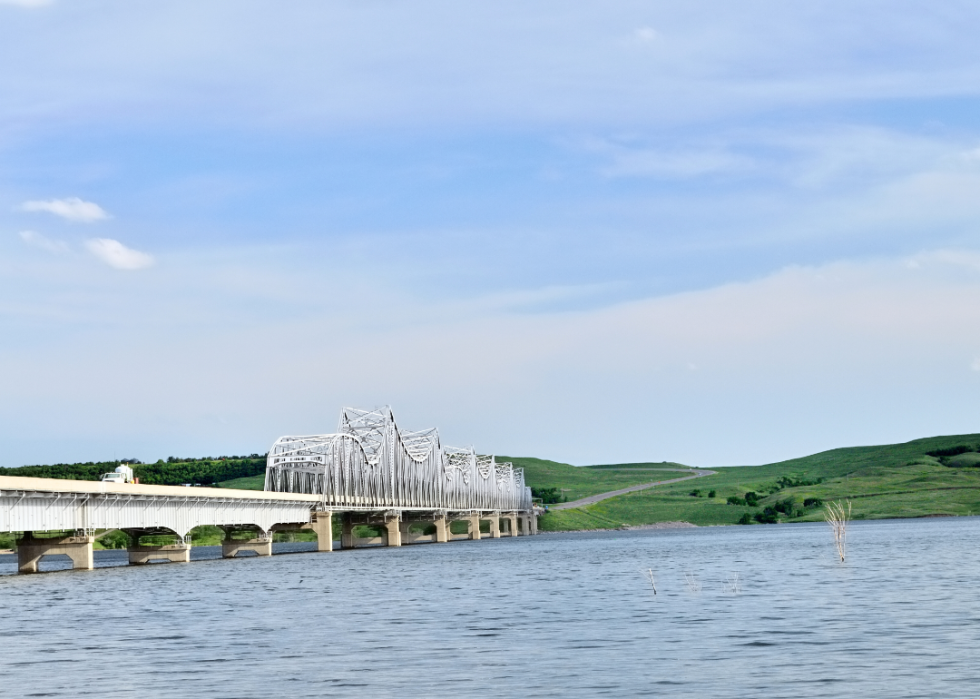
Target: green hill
pixel 582 481
pixel 925 477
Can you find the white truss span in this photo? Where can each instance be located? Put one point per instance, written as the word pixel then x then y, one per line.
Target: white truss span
pixel 369 463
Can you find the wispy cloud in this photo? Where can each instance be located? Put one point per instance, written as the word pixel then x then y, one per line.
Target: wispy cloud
pixel 72 209
pixel 39 241
pixel 645 34
pixel 117 255
pixel 629 161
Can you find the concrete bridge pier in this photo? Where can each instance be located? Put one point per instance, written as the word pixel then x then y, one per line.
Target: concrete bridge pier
pixel 322 524
pixel 179 552
pixel 512 525
pixel 347 531
pixel 261 544
pixel 175 553
pixel 393 526
pixel 494 525
pixel 404 530
pixel 474 525
pixel 442 527
pixel 78 548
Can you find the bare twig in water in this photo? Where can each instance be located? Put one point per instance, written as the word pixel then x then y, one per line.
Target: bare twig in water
pixel 837 517
pixel 693 584
pixel 653 580
pixel 732 584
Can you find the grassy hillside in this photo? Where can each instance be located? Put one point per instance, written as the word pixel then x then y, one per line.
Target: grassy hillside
pixel 580 482
pixel 934 476
pixel 256 482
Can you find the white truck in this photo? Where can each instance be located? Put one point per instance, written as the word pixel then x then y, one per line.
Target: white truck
pixel 122 474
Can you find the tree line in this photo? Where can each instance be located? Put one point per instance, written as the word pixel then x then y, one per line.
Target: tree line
pixel 173 471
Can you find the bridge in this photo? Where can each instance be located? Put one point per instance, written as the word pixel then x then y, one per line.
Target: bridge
pixel 367 473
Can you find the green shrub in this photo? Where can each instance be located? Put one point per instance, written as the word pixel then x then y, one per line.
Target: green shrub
pixel 967 459
pixel 752 499
pixel 735 500
pixel 784 506
pixel 745 519
pixel 549 496
pixel 812 502
pixel 767 516
pixel 711 493
pixel 115 540
pixel 952 451
pixel 790 482
pixel 696 493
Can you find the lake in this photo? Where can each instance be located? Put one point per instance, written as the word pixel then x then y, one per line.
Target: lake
pixel 553 615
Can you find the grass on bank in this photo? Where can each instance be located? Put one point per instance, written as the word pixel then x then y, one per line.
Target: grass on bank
pixel 898 480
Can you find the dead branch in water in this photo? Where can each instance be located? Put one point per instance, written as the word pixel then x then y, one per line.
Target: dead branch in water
pixel 732 584
pixel 693 584
pixel 837 517
pixel 653 581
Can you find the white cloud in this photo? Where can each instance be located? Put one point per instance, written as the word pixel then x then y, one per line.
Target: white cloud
pixel 117 255
pixel 626 161
pixel 72 209
pixel 645 34
pixel 804 359
pixel 971 156
pixel 39 241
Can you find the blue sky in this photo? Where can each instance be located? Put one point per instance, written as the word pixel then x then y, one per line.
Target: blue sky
pixel 616 231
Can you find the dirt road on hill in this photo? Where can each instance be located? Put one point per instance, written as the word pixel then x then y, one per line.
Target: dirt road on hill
pixel 592 499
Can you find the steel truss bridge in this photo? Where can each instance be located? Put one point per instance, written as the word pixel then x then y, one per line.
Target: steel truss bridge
pixel 369 464
pixel 368 473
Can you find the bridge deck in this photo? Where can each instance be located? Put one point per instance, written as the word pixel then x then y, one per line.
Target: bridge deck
pixel 32 505
pixel 57 485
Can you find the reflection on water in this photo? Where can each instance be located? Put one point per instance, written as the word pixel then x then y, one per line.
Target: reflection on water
pixel 554 615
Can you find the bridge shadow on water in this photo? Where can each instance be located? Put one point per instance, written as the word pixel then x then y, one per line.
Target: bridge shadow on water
pixel 111 558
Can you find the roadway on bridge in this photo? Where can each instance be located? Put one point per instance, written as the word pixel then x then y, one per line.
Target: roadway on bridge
pixel 593 499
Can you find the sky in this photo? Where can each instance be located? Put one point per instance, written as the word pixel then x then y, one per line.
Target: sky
pixel 707 232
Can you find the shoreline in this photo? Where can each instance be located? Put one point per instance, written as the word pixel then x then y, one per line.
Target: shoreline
pixel 638 527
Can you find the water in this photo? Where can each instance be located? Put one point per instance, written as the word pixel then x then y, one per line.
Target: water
pixel 554 615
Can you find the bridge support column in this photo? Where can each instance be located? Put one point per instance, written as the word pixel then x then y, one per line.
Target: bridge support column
pixel 347 531
pixel 323 526
pixel 494 525
pixel 175 553
pixel 474 521
pixel 534 524
pixel 442 529
pixel 31 550
pixel 512 525
pixel 393 525
pixel 261 545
